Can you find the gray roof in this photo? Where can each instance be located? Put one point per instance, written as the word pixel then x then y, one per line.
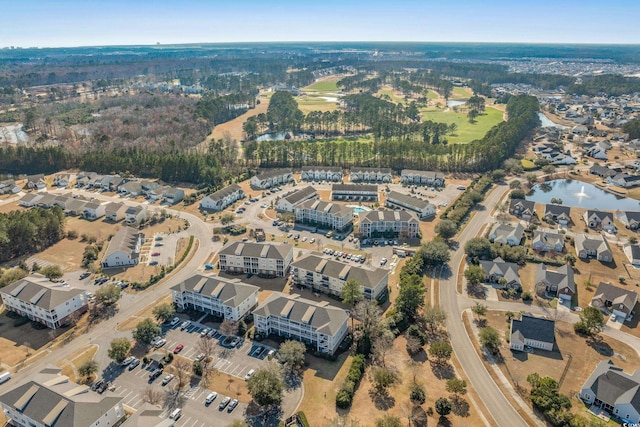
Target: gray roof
pixel 35 178
pixel 534 328
pixel 547 239
pixel 363 170
pixel 271 173
pixel 148 415
pixel 131 187
pixel 368 278
pixel 522 205
pixel 332 208
pixel 629 216
pixel 230 292
pixel 498 266
pixel 113 207
pixel 221 194
pixel 613 386
pixel 387 216
pixel 502 232
pixel 635 251
pixel 324 318
pixel 322 168
pixel 616 295
pixel 591 242
pixel 428 174
pixel 562 278
pixel 557 210
pixel 125 240
pixel 301 194
pixel 599 214
pixel 134 210
pixel 368 188
pixel 51 399
pixel 30 197
pixel 257 250
pixel 39 291
pixel 405 199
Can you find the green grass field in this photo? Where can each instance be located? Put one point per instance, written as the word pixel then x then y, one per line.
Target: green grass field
pixel 528 164
pixel 391 95
pixel 460 93
pixel 314 103
pixel 432 94
pixel 323 86
pixel 466 131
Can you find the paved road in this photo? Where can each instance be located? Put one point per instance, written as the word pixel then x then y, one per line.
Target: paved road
pixel 499 408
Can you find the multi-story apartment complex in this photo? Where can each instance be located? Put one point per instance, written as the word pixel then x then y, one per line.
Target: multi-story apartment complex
pixel 382 175
pixel 324 214
pixel 421 207
pixel 222 198
pixel 124 249
pixel 51 304
pixel 354 192
pixel 388 224
pixel 430 178
pixel 228 298
pixel 271 178
pixel 256 258
pixel 321 173
pixel 289 201
pixel 327 275
pixel 319 324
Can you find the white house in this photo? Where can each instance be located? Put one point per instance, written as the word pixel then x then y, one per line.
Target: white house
pixel 124 249
pixel 172 195
pixel 630 219
pixel 611 389
pixel 227 298
pixel 50 399
pixel 324 214
pixel 315 323
pixel 62 180
pixel 633 253
pixel 388 224
pixel 430 178
pixel 265 259
pixel 36 182
pixel 30 200
pixel 135 214
pixel 9 186
pixel 94 210
pixel 44 301
pixel 422 207
pixel 271 178
pixel 378 175
pixel 321 173
pixel 624 180
pixel 324 274
pixel 131 188
pixel 115 211
pixel 532 332
pixel 222 198
pixel 500 271
pixel 288 202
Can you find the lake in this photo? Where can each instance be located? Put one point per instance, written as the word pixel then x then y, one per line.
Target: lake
pixel 580 195
pixel 454 103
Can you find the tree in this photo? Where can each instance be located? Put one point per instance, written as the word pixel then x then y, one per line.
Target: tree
pixel 163 312
pixel 119 349
pixel 591 320
pixel 198 368
pixel 472 114
pixel 479 310
pixel 181 367
pixel 498 175
pixel 570 259
pixel 351 292
pixel 531 178
pixel 446 229
pixel 510 315
pixel 382 342
pixel 388 421
pixel 411 296
pixel 515 185
pixel 479 247
pixel 266 386
pixel 228 327
pixel 489 338
pixel 517 194
pixel 456 386
pixel 146 330
pixel 369 315
pixel 382 378
pixel 443 406
pixel 435 253
pixel 417 394
pixel 108 294
pixel 434 317
pixel 151 395
pixel 292 354
pixel 548 169
pixel 51 272
pixel 441 350
pixel 88 368
pixel 227 218
pixel 474 274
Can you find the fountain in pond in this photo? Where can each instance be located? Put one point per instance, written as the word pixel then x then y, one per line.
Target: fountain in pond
pixel 582 194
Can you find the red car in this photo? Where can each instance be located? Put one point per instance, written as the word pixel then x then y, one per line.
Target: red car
pixel 178 348
pixel 155 254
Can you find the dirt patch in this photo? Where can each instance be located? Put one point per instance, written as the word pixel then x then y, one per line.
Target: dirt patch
pixel 19 342
pixel 70 365
pixel 146 312
pixel 229 386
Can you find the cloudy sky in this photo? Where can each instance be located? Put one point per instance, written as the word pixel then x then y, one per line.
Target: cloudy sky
pixel 52 23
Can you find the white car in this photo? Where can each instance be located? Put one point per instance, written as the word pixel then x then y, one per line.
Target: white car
pixel 313 239
pixel 263 206
pixel 160 343
pixel 211 397
pixel 304 238
pixel 249 374
pixel 175 321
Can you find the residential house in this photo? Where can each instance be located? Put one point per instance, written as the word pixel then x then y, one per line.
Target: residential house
pixel 599 220
pixel 596 152
pixel 115 211
pixel 148 415
pixel 47 201
pixel 376 175
pixel 172 195
pixel 559 283
pixel 84 179
pixel 501 272
pixel 319 324
pixel 148 187
pixel 131 188
pixel 62 201
pixel 30 200
pixel 94 210
pixel 45 302
pixel 222 198
pixel 354 192
pixel 612 299
pixel 506 234
pixel 324 274
pixel 428 178
pixel 62 180
pixel 324 214
pixel 134 215
pixel 271 178
pixel 388 224
pixel 96 181
pixel 611 389
pixel 624 180
pixel 227 298
pixel 321 173
pixel 603 171
pixel 76 207
pixel 124 249
pixel 36 182
pixel 265 259
pixel 593 246
pixel 557 213
pixel 288 202
pixel 633 253
pixel 534 332
pixel 423 208
pixel 9 186
pixel 50 399
pixel 524 209
pixel 630 219
pixel 545 242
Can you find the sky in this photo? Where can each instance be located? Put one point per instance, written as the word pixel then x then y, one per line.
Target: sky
pixel 61 23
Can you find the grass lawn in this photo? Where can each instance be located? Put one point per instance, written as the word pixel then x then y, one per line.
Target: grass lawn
pixel 432 94
pixel 325 85
pixel 460 93
pixel 528 164
pixel 387 90
pixel 310 103
pixel 466 131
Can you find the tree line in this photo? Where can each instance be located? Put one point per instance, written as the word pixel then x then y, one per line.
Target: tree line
pixel 26 232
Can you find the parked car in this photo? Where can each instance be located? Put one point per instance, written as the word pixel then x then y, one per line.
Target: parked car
pixel 155 254
pixel 167 379
pixel 199 357
pixel 155 374
pixel 185 325
pixel 178 348
pixel 256 351
pixel 210 398
pixel 127 361
pixel 97 384
pixel 224 402
pixel 160 343
pixel 135 362
pixel 84 275
pixel 103 387
pixel 232 405
pixel 174 321
pixel 249 374
pixel 204 332
pixel 153 263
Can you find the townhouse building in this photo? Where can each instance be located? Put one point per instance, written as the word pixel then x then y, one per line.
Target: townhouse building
pixel 381 223
pixel 265 259
pixel 324 214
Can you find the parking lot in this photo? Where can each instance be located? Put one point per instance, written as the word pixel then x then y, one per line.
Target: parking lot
pixel 164 245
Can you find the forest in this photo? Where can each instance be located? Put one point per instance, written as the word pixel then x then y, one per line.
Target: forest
pixel 24 232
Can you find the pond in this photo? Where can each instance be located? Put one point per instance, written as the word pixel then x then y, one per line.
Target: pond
pixel 581 195
pixel 280 136
pixel 546 122
pixel 454 103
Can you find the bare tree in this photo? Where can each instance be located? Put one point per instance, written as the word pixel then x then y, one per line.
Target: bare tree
pixel 382 343
pixel 181 368
pixel 152 396
pixel 227 327
pixel 206 347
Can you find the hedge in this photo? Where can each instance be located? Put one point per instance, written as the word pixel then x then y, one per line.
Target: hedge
pixel 356 371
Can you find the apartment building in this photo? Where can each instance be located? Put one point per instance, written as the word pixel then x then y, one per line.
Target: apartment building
pixel 379 175
pixel 321 173
pixel 124 249
pixel 265 259
pixel 354 192
pixel 430 178
pixel 388 224
pixel 422 207
pixel 289 201
pixel 271 178
pixel 324 214
pixel 222 198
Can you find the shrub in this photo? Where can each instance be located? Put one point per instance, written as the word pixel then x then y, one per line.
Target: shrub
pixel 356 370
pixel 526 296
pixel 343 399
pixel 417 394
pixel 303 419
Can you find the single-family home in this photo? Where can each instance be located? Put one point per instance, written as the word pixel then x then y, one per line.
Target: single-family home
pixel 354 192
pixel 9 186
pixel 84 179
pixel 429 178
pixel 115 211
pixel 557 213
pixel 599 220
pixel 172 195
pixel 36 182
pixel 423 208
pixel 633 253
pixel 94 210
pixel 593 246
pixel 62 180
pixel 624 180
pixel 30 200
pixel 222 198
pixel 534 332
pixel 47 201
pixel 612 299
pixel 501 272
pixel 289 201
pixel 559 283
pixel 75 207
pixel 271 178
pixel 506 234
pixel 602 171
pixel 321 173
pixel 630 219
pixel 544 241
pixel 375 175
pixel 131 188
pixel 524 209
pixel 124 249
pixel 135 214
